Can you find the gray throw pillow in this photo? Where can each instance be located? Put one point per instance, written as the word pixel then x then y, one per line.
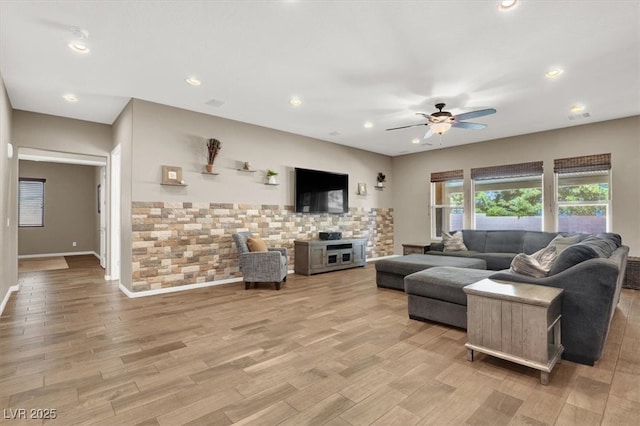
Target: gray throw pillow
pixel 453 242
pixel 572 256
pixel 537 264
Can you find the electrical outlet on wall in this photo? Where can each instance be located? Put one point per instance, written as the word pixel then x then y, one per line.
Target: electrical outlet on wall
pixel 74 244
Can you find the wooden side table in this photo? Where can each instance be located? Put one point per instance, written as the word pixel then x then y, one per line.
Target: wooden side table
pixel 415 248
pixel 516 322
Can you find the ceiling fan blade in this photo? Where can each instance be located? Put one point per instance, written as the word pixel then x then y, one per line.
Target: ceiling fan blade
pixel 467 125
pixel 428 135
pixel 474 114
pixel 406 127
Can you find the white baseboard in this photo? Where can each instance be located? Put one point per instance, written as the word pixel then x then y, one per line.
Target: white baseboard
pixel 71 253
pixel 133 294
pixel 12 289
pixel 144 293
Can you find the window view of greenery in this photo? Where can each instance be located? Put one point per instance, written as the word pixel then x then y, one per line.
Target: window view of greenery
pixel 513 203
pixel 448 207
pixel 583 202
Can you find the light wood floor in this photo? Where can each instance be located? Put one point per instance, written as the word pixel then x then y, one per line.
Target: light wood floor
pixel 328 349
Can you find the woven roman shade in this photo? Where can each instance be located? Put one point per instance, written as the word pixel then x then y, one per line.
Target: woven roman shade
pixel 446 176
pixel 510 170
pixel 587 163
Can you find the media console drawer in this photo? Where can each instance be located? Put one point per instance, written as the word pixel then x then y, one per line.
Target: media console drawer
pixel 316 256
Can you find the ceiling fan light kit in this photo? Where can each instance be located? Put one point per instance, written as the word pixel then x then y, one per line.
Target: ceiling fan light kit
pixel 440 128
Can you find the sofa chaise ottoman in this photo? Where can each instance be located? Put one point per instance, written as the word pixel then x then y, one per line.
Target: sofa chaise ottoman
pixel 437 294
pixel 390 273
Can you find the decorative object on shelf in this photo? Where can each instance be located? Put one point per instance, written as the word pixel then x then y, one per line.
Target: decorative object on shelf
pixel 271 177
pixel 246 167
pixel 362 188
pixel 213 146
pixel 381 180
pixel 172 175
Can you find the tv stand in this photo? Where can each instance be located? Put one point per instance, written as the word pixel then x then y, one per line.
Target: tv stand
pixel 316 256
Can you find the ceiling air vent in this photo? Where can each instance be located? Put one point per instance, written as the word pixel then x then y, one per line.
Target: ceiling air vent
pixel 215 103
pixel 579 116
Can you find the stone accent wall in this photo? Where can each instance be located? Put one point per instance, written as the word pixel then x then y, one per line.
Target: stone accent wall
pixel 176 243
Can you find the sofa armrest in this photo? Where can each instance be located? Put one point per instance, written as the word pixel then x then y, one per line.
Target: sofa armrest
pixel 436 246
pixel 281 250
pixel 588 302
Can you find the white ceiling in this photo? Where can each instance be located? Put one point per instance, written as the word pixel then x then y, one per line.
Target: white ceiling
pixel 348 61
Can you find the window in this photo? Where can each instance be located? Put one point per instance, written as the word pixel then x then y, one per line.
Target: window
pixel 31 202
pixel 447 202
pixel 508 197
pixel 583 193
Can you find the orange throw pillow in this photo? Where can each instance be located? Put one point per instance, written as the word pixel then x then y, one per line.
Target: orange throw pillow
pixel 256 244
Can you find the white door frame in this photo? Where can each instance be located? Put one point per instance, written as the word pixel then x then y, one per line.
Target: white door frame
pixel 103 218
pixel 114 210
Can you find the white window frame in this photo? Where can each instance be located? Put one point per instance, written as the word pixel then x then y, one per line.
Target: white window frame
pixel 22 204
pixel 435 206
pixel 558 204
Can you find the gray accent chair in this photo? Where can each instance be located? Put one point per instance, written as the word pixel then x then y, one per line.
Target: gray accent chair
pixel 260 267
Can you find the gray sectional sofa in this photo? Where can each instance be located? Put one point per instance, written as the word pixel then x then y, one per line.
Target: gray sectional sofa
pixel 590 272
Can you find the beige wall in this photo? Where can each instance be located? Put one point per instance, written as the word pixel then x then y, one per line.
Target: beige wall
pixel 621 138
pixel 8 206
pixel 60 134
pixel 165 135
pixel 70 209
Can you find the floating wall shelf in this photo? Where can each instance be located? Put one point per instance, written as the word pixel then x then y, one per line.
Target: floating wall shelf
pixel 246 171
pixel 210 173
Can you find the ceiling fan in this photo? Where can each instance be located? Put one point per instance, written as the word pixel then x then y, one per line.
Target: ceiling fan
pixel 441 121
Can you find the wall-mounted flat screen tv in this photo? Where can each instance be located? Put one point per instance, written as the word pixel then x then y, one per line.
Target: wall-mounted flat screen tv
pixel 321 192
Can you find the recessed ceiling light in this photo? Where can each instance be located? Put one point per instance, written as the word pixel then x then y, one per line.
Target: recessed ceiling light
pixel 70 98
pixel 507 4
pixel 368 124
pixel 193 81
pixel 295 101
pixel 577 108
pixel 415 141
pixel 554 73
pixel 79 47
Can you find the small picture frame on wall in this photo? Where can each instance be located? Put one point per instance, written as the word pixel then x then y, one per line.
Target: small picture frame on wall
pixel 172 175
pixel 362 188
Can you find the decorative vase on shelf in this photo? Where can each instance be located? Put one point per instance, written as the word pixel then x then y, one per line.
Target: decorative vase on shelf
pixel 213 146
pixel 271 177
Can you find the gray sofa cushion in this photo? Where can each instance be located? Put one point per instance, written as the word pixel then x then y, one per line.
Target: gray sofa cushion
pixel 504 242
pixel 411 263
pixel 496 261
pixel 468 253
pixel 474 240
pixel 591 247
pixel 443 283
pixel 571 256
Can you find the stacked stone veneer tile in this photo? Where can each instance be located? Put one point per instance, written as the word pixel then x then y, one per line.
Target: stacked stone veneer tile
pixel 176 243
